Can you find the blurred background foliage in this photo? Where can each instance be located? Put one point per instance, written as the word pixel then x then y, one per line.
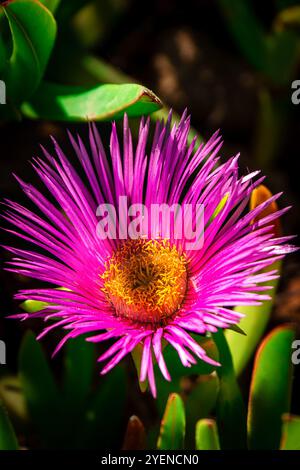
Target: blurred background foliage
pixel 232 63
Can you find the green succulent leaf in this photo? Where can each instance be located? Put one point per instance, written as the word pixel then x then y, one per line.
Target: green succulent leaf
pixel 231 413
pixel 270 389
pixel 31 47
pixel 207 435
pixel 79 372
pixel 8 440
pixel 253 324
pixel 99 103
pixel 290 439
pixel 40 390
pixel 256 316
pixel 76 416
pixel 172 430
pixel 178 371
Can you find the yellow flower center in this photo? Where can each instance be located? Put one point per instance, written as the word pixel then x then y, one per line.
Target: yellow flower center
pixel 146 280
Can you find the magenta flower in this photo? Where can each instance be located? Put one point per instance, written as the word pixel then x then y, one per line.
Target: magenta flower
pixel 146 289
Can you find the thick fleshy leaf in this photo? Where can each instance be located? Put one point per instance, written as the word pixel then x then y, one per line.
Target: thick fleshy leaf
pixel 231 413
pixel 99 103
pixel 270 389
pixel 8 440
pixel 41 392
pixel 172 430
pixel 253 324
pixel 135 437
pixel 28 21
pixel 207 435
pixel 256 317
pixel 78 373
pixel 290 438
pixel 177 370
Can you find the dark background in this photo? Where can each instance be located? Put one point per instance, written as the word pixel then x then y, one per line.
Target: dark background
pixel 183 51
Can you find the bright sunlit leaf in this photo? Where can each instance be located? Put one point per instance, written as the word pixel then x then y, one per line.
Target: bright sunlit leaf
pixel 99 103
pixel 207 435
pixel 172 429
pixel 290 438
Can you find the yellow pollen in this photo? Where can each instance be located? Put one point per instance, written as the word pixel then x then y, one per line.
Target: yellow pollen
pixel 146 280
